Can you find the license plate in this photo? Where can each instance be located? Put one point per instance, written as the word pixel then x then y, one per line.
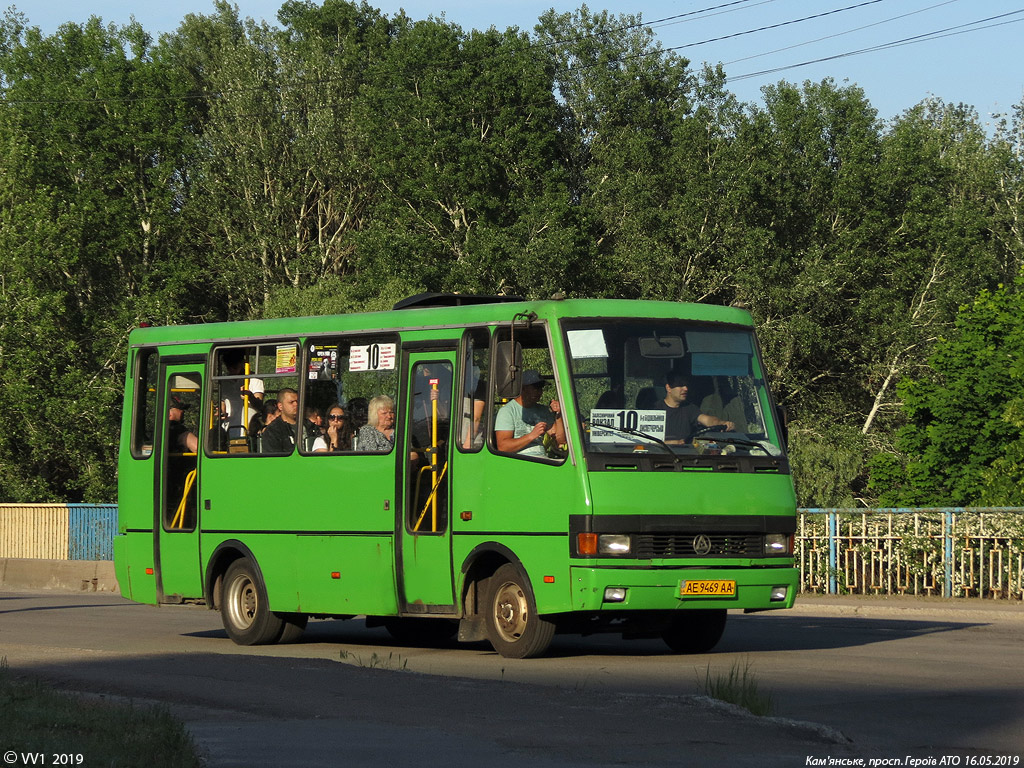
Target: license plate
pixel 708 588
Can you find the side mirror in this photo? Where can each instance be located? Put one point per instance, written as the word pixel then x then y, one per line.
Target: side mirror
pixel 508 369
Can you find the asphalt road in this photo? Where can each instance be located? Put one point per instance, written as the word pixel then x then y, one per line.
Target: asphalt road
pixel 850 679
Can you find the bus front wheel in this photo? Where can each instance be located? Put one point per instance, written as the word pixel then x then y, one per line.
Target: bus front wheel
pixel 695 631
pixel 513 626
pixel 244 608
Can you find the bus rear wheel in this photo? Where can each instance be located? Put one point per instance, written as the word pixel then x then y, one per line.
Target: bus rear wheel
pixel 513 626
pixel 695 631
pixel 244 608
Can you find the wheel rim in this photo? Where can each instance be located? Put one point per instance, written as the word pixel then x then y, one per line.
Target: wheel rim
pixel 511 610
pixel 242 602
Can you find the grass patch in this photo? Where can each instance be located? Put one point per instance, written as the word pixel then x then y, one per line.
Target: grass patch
pixel 37 719
pixel 739 687
pixel 393 661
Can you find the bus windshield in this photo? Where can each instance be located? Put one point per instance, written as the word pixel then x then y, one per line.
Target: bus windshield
pixel 670 387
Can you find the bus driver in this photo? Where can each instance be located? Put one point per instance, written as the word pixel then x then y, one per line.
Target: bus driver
pixel 521 423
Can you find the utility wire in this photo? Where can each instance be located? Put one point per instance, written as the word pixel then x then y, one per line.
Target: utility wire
pixel 840 34
pixel 922 38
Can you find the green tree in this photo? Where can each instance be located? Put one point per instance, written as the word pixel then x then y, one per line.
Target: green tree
pixel 963 444
pixel 88 188
pixel 473 190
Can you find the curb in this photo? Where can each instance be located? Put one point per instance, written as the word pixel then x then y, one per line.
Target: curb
pixel 58 575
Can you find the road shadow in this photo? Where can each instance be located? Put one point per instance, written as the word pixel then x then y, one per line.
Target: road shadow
pixel 743 634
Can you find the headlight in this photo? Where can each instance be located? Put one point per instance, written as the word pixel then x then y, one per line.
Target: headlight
pixel 614 544
pixel 778 544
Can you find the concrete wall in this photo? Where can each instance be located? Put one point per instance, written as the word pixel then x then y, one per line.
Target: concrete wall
pixel 61 575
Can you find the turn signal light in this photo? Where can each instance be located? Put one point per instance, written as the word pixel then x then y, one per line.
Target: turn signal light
pixel 586 543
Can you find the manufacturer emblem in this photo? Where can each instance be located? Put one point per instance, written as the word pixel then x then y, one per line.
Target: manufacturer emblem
pixel 701 545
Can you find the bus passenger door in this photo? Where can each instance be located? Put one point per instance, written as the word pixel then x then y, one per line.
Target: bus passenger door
pixel 176 558
pixel 425 565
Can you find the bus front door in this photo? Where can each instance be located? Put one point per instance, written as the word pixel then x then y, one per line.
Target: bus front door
pixel 176 555
pixel 425 565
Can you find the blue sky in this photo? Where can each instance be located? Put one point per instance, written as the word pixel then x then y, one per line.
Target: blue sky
pixel 978 64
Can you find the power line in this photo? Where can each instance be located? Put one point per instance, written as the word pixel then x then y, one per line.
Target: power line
pixel 922 38
pixel 840 34
pixel 774 26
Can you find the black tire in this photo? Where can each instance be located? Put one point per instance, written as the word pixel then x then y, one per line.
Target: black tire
pixel 293 625
pixel 510 616
pixel 695 631
pixel 426 632
pixel 244 608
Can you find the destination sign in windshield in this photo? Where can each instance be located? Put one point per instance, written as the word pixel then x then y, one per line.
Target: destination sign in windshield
pixel 607 425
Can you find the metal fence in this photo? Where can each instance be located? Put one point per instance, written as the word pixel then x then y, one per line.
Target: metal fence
pixel 950 552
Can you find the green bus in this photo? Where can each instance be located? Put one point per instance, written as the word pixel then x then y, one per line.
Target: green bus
pixel 487 467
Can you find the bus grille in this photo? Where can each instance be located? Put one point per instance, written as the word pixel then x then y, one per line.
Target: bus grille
pixel 649 546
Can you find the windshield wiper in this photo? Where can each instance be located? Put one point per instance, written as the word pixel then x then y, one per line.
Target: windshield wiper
pixel 645 436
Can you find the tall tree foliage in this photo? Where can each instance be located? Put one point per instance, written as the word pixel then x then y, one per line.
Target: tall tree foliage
pixel 963 444
pixel 343 159
pixel 90 146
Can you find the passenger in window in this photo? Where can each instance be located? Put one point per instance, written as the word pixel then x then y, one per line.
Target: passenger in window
pixel 339 430
pixel 378 436
pixel 724 403
pixel 682 418
pixel 523 423
pixel 259 424
pixel 270 413
pixel 180 437
pixel 279 436
pixel 357 412
pixel 240 402
pixel 313 430
pixel 473 410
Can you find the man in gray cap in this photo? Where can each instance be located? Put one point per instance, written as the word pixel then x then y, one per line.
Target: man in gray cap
pixel 522 423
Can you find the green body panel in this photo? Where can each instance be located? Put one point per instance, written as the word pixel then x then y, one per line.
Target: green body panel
pixel 521 507
pixel 299 571
pixel 658 589
pixel 540 557
pixel 133 554
pixel 692 493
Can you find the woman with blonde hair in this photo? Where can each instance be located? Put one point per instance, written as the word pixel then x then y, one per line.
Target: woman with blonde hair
pixel 378 436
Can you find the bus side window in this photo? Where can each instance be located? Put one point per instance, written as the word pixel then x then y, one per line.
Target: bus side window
pixel 516 419
pixel 475 377
pixel 144 414
pixel 246 378
pixel 343 374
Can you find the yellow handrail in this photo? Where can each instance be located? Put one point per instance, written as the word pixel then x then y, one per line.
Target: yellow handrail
pixel 179 515
pixel 431 499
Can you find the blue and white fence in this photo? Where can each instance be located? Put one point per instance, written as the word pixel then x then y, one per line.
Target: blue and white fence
pixel 58 531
